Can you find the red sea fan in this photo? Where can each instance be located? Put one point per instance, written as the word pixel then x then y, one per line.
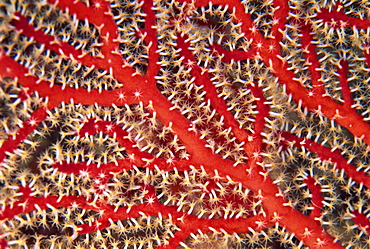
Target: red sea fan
pixel 191 124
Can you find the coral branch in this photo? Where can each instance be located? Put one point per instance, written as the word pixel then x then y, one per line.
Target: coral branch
pixel 184 124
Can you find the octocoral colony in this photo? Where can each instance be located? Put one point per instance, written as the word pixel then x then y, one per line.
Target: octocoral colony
pixel 190 124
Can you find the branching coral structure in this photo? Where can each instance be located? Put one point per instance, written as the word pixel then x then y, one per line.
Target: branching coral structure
pixel 184 124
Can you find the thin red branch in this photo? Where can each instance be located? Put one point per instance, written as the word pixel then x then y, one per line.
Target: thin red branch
pixel 329 155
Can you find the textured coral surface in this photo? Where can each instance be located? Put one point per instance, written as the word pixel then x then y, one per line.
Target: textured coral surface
pixel 184 124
